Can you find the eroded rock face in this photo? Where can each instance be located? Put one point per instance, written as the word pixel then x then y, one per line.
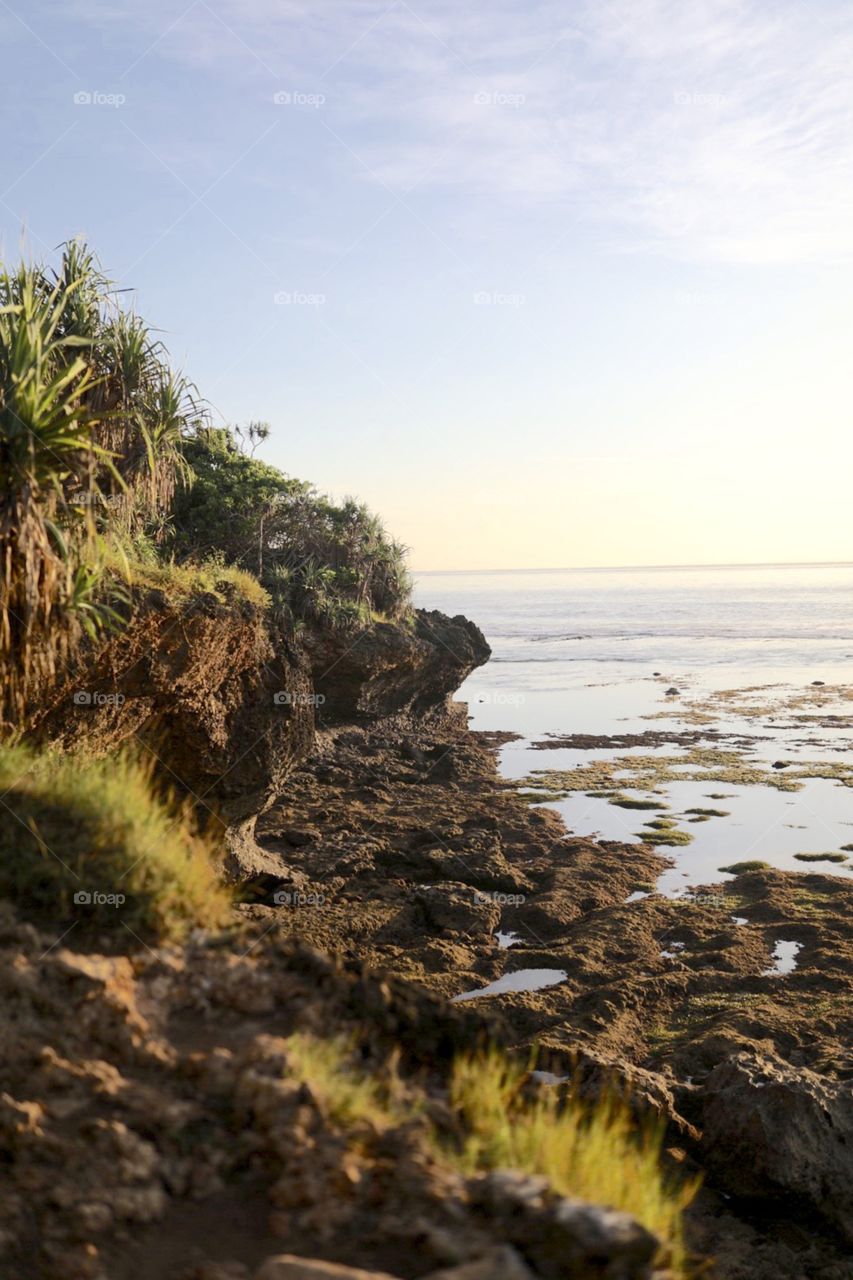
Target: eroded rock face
pixel 227 706
pixel 770 1127
pixel 391 670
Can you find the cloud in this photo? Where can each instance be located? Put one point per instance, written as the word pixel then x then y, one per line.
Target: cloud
pixel 710 130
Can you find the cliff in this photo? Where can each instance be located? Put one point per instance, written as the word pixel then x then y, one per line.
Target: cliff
pixel 227 704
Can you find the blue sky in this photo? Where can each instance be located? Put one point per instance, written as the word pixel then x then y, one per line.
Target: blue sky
pixel 545 283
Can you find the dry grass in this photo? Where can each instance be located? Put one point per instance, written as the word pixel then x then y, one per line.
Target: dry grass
pixel 98 827
pixel 589 1150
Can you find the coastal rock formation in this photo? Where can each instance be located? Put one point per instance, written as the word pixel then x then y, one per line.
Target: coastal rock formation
pixel 225 706
pixel 770 1129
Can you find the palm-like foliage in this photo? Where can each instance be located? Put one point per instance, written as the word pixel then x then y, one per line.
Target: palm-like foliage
pixel 45 444
pixel 91 422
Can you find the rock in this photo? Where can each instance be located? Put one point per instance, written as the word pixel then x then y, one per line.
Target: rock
pixel 286 1266
pixel 770 1128
pixel 781 764
pixel 672 692
pixel 560 1237
pixel 458 908
pixel 502 1263
pixel 819 683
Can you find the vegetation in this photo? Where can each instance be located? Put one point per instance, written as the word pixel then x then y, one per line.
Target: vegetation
pixel 98 829
pixel 110 471
pixel 592 1150
pixel 821 857
pixel 332 563
pixel 750 864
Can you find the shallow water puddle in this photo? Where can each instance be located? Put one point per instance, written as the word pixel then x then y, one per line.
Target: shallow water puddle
pixel 507 939
pixel 636 896
pixel 784 959
pixel 521 980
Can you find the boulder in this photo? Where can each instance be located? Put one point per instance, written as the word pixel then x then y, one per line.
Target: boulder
pixel 563 1239
pixel 770 1128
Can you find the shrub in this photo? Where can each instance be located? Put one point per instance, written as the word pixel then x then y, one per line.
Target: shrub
pixel 97 827
pixel 333 563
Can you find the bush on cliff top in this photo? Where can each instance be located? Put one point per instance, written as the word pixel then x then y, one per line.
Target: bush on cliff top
pixel 320 560
pixel 77 835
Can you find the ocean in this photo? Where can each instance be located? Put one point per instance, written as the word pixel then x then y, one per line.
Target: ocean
pixel 752 661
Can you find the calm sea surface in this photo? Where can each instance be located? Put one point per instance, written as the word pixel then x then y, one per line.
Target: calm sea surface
pixel 593 651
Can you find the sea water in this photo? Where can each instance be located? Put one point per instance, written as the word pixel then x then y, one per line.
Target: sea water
pixel 594 651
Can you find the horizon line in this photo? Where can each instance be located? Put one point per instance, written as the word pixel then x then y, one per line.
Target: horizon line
pixel 635 568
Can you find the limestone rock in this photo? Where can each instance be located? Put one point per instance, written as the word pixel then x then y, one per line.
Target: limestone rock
pixel 770 1127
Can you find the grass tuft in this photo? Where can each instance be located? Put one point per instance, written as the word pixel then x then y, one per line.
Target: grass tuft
pixel 97 827
pixel 594 1151
pixel 751 864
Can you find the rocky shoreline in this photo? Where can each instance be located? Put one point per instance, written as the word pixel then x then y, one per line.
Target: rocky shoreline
pixel 384 869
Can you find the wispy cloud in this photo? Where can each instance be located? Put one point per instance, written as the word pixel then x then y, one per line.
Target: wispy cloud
pixel 716 130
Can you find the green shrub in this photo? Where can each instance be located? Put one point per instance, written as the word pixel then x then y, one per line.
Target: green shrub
pixel 331 562
pixel 73 826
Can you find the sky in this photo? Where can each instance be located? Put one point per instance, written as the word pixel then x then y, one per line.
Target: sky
pixel 545 283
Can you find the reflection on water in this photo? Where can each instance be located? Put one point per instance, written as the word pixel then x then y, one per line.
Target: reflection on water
pixel 521 980
pixel 595 651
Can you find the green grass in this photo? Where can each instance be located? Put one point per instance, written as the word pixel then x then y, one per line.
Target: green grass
pixel 628 802
pixel 821 857
pixel 186 581
pixel 593 1151
pixel 98 827
pixel 751 864
pixel 673 838
pixel 709 813
pixel 347 1095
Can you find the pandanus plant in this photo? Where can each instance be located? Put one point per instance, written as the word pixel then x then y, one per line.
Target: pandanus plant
pixel 45 444
pixel 91 423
